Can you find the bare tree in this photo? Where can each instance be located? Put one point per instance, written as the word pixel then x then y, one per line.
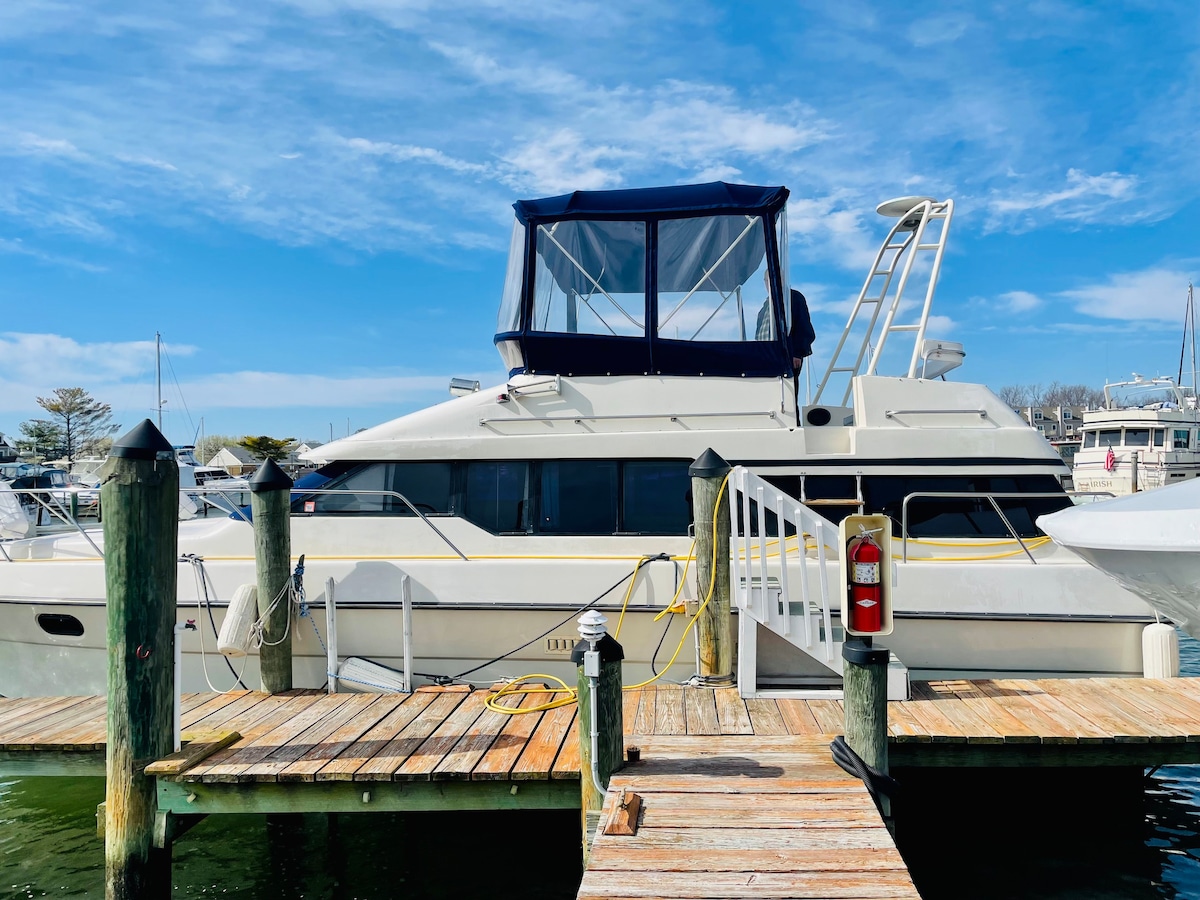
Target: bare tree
pixel 1073 395
pixel 1013 395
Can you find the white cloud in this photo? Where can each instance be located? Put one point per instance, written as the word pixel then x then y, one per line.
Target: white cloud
pixel 1020 301
pixel 52 360
pixel 1157 294
pixel 938 29
pixel 1086 198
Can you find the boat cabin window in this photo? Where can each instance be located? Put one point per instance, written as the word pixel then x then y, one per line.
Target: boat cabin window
pixel 1110 437
pixel 934 517
pixel 497 496
pixel 656 497
pixel 509 318
pixel 1089 439
pixel 1158 437
pixel 1137 437
pixel 578 497
pixel 427 485
pixel 1180 440
pixel 712 280
pixel 590 278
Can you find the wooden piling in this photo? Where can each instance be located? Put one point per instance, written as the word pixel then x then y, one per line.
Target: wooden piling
pixel 864 684
pixel 270 507
pixel 610 755
pixel 139 485
pixel 713 629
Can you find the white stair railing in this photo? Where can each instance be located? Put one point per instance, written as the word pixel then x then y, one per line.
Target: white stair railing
pixel 760 563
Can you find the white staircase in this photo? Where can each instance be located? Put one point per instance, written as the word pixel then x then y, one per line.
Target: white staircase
pixel 787 584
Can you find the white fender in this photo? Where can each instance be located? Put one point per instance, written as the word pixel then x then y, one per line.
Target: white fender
pixel 1160 651
pixel 234 639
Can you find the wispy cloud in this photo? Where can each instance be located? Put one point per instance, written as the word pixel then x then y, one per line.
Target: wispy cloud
pixel 1094 199
pixel 1157 294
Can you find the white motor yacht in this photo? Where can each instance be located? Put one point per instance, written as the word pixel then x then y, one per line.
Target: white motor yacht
pixel 1146 436
pixel 1149 542
pixel 641 328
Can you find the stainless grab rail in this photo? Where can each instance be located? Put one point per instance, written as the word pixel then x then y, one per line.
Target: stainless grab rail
pixel 972 495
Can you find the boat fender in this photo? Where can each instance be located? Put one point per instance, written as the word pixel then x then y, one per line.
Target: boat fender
pixel 234 639
pixel 1160 651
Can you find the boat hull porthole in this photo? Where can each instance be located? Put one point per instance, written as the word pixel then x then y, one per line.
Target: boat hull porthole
pixel 60 625
pixel 818 415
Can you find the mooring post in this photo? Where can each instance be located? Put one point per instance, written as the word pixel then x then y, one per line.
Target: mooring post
pixel 714 630
pixel 601 726
pixel 864 684
pixel 270 508
pixel 139 486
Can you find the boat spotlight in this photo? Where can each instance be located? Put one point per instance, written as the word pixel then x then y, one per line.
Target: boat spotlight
pixel 460 387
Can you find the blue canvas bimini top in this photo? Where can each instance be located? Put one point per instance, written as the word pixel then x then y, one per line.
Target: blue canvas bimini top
pixel 678 280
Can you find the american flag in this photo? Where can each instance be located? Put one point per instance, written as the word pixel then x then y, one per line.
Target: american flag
pixel 1110 460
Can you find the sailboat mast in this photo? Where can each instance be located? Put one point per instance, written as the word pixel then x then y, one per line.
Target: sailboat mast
pixel 158 374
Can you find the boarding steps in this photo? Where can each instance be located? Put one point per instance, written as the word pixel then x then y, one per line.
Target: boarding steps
pixel 788 591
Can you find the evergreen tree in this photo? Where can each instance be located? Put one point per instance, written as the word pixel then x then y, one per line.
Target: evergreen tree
pixel 82 419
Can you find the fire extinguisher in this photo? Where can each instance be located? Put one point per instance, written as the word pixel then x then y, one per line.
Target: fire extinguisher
pixel 866 584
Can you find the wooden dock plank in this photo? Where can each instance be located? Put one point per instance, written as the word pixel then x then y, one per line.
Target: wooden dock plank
pixel 395 739
pixel 798 718
pixel 83 717
pixel 19 709
pixel 669 715
pixel 375 708
pixel 1099 710
pixel 274 744
pixel 537 758
pixel 731 712
pixel 34 731
pixel 748 884
pixel 630 701
pixel 1183 705
pixel 29 717
pixel 830 715
pixel 700 711
pixel 765 717
pixel 752 859
pixel 1138 698
pixel 419 766
pixel 471 748
pixel 301 743
pixel 566 764
pixel 501 757
pixel 262 718
pixel 644 723
pixel 942 697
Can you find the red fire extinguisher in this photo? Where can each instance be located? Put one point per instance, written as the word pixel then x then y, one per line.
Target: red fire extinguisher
pixel 866 584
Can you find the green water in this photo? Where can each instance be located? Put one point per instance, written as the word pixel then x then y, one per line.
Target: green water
pixel 49 848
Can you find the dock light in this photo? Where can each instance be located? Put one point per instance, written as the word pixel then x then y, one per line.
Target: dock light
pixel 460 387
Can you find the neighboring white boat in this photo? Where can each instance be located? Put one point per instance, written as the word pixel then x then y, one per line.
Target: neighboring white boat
pixel 1149 542
pixel 641 328
pixel 1146 436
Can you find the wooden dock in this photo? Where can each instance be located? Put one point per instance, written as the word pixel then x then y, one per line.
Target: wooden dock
pixel 741 796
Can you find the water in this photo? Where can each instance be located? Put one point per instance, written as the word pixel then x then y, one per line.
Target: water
pixel 1036 835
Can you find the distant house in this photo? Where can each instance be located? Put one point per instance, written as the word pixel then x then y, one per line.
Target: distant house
pixel 234 460
pixel 8 453
pixel 1055 422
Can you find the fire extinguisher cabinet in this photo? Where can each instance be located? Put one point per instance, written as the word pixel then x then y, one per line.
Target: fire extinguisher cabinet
pixel 866 575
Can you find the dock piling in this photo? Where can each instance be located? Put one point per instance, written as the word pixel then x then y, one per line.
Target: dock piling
pixel 864 684
pixel 714 630
pixel 602 745
pixel 140 491
pixel 270 507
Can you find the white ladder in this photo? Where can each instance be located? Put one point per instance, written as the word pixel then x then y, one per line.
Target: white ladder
pixel 916 214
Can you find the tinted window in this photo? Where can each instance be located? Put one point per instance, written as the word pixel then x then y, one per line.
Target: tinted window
pixel 1089 439
pixel 1180 441
pixel 968 516
pixel 657 497
pixel 1158 437
pixel 579 497
pixel 1110 438
pixel 427 486
pixel 497 496
pixel 353 493
pixel 1137 437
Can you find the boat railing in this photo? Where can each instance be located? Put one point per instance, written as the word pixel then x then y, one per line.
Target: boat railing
pixel 57 502
pixel 990 496
pixel 754 581
pixel 56 505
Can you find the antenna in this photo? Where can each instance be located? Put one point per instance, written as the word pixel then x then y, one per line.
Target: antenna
pixel 158 374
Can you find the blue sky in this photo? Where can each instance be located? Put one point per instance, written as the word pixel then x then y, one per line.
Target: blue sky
pixel 311 199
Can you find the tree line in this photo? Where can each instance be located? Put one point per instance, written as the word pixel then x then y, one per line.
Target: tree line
pixel 1053 394
pixel 77 424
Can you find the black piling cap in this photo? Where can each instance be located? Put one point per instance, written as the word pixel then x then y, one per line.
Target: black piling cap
pixel 143 442
pixel 861 653
pixel 269 477
pixel 609 649
pixel 709 465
